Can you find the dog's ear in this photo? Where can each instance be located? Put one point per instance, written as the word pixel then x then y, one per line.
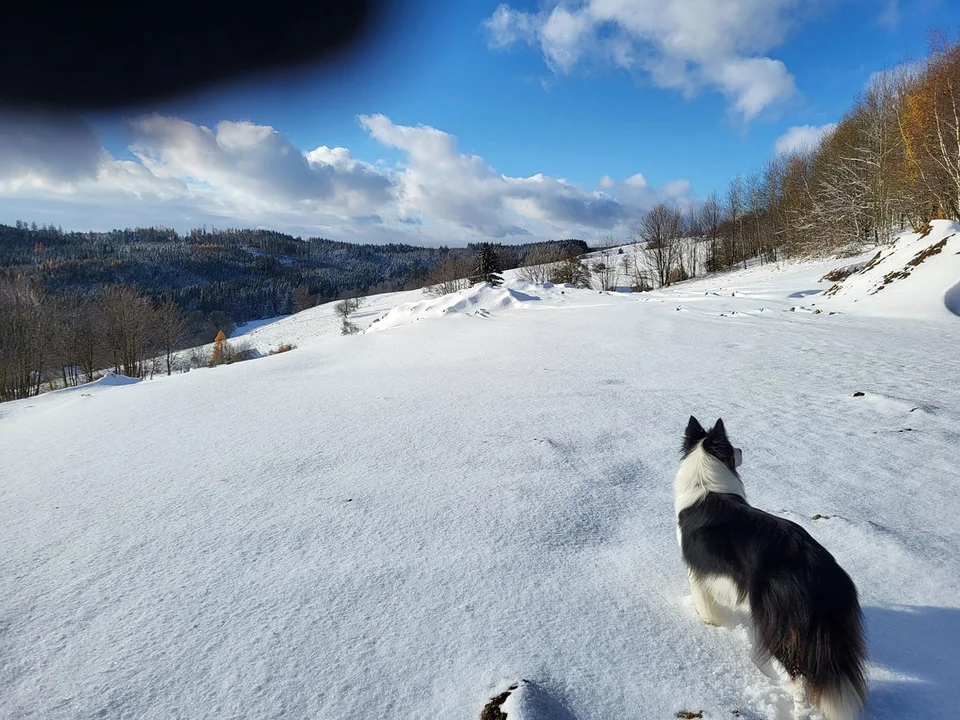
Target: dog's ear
pixel 718 430
pixel 693 434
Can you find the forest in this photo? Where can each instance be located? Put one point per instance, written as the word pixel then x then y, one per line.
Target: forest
pixel 891 163
pixel 247 274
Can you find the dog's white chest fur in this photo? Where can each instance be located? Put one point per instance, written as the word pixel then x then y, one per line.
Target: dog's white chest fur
pixel 701 473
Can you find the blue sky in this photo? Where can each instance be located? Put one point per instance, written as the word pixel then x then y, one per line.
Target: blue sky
pixel 478 120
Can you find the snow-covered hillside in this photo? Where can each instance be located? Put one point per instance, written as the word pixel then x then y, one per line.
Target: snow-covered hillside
pixel 407 522
pixel 918 276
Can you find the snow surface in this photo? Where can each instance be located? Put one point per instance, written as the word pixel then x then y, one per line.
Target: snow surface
pixel 406 522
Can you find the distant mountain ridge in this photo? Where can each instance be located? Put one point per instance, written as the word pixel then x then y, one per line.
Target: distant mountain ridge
pixel 247 273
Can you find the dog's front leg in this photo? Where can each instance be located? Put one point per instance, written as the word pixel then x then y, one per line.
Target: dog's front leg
pixel 703 601
pixel 801 703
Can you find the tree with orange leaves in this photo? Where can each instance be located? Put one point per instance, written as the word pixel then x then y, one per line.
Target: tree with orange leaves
pixel 930 125
pixel 219 344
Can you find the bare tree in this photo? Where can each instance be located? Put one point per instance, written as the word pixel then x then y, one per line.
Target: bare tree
pixel 450 274
pixel 539 263
pixel 753 240
pixel 130 328
pixel 571 270
pixel 75 338
pixel 605 270
pixel 734 209
pixel 660 229
pixel 171 329
pixel 344 309
pixel 641 270
pixel 302 299
pixel 23 350
pixel 711 218
pixel 691 234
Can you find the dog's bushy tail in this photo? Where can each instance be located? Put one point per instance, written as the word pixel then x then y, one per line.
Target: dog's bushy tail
pixel 841 701
pixel 823 641
pixel 837 656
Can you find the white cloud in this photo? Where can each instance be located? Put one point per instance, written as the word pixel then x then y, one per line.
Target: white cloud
pixel 441 184
pixel 256 167
pixel 802 138
pixel 890 16
pixel 753 83
pixel 679 44
pixel 184 174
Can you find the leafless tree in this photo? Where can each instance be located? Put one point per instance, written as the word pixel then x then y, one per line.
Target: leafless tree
pixel 130 328
pixel 734 210
pixel 605 270
pixel 571 270
pixel 690 236
pixel 539 263
pixel 75 338
pixel 23 350
pixel 659 230
pixel 171 327
pixel 344 309
pixel 450 274
pixel 711 218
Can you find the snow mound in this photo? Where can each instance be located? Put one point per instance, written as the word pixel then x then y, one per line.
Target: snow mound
pixel 482 300
pixel 528 701
pixel 918 276
pixel 951 299
pixel 112 379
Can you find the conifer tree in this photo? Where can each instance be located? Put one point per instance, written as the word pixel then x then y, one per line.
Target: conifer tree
pixel 486 265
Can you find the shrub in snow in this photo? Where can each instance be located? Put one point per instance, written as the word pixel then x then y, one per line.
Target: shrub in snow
pixel 571 272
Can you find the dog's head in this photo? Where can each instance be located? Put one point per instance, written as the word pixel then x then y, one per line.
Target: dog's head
pixel 715 442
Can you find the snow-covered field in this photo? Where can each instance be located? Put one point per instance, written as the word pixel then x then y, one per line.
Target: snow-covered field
pixel 404 523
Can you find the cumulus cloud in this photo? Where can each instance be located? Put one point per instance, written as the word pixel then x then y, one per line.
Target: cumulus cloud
pixel 439 182
pixel 679 44
pixel 244 173
pixel 257 167
pixel 802 138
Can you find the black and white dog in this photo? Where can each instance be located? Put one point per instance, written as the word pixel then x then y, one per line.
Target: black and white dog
pixel 803 605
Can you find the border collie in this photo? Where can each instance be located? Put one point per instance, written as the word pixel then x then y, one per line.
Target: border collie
pixel 803 605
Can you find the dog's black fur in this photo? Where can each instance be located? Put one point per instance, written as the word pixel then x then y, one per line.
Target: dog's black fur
pixel 803 605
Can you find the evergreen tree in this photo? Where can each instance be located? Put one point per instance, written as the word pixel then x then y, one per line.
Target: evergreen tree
pixel 486 265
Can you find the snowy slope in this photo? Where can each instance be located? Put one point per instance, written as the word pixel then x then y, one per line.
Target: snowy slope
pixel 251 325
pixel 405 523
pixel 917 276
pixel 316 323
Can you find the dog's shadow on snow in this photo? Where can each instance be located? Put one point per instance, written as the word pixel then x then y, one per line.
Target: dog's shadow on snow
pixel 914 660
